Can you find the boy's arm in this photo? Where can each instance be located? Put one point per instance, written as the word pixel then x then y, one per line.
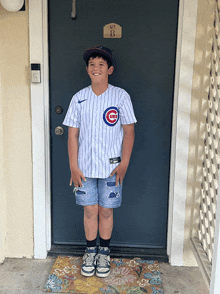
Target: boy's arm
pixel 76 174
pixel 128 141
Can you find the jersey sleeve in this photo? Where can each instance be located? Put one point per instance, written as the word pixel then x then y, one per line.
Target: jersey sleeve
pixel 72 118
pixel 126 111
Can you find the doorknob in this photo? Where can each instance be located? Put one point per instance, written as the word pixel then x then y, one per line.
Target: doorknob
pixel 59 131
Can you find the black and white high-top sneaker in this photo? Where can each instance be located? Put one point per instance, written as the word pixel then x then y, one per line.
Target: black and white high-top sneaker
pixel 103 262
pixel 89 262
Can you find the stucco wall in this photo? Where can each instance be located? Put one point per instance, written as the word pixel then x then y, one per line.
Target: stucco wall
pixel 201 70
pixel 16 217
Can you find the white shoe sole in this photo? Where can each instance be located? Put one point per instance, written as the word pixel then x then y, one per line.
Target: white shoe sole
pixel 87 274
pixel 102 275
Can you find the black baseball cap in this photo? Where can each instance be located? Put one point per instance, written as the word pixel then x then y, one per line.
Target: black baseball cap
pixel 98 49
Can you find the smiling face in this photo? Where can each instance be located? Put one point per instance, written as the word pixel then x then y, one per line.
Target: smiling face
pixel 98 70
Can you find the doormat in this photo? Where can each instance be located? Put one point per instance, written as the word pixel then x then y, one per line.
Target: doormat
pixel 127 276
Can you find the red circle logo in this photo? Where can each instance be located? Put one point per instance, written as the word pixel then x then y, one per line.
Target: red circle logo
pixel 111 116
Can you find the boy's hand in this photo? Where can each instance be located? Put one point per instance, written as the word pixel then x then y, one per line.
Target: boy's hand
pixel 76 177
pixel 128 141
pixel 120 172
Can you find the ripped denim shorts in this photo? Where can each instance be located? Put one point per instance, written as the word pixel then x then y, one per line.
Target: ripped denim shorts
pixel 99 191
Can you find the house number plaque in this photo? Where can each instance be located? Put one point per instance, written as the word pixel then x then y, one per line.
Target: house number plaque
pixel 112 30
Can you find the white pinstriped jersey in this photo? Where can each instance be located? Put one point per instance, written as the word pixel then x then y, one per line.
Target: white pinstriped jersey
pixel 100 120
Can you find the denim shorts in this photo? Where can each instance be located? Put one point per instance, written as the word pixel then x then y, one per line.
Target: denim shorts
pixel 99 191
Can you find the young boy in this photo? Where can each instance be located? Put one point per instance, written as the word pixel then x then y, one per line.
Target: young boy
pixel 100 141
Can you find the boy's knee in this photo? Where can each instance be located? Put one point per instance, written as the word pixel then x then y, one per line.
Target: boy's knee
pixel 91 211
pixel 105 212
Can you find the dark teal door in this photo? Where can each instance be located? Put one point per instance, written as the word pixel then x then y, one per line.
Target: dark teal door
pixel 145 69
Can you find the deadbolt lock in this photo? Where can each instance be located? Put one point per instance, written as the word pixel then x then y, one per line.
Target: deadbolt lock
pixel 59 131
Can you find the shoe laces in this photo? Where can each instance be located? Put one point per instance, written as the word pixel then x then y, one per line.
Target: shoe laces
pixel 102 260
pixel 89 258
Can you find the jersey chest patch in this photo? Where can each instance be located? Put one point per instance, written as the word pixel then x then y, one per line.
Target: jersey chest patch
pixel 111 116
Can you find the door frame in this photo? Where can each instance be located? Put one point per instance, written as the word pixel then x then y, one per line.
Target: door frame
pixel 38 36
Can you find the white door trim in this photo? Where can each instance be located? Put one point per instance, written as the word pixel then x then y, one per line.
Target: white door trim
pixel 181 124
pixel 38 35
pixel 180 130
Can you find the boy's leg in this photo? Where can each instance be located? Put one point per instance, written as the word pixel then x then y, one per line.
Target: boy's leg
pixel 91 228
pixel 105 231
pixel 87 196
pixel 91 221
pixel 110 197
pixel 105 222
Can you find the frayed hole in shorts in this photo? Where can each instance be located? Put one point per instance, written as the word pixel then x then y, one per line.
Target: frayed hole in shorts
pixel 79 192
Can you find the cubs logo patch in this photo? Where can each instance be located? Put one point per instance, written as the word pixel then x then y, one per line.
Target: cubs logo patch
pixel 111 116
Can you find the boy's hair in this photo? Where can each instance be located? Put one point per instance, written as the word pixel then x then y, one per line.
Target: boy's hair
pixel 99 55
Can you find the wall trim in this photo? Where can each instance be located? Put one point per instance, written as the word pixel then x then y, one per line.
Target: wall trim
pixel 38 34
pixel 181 129
pixel 38 29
